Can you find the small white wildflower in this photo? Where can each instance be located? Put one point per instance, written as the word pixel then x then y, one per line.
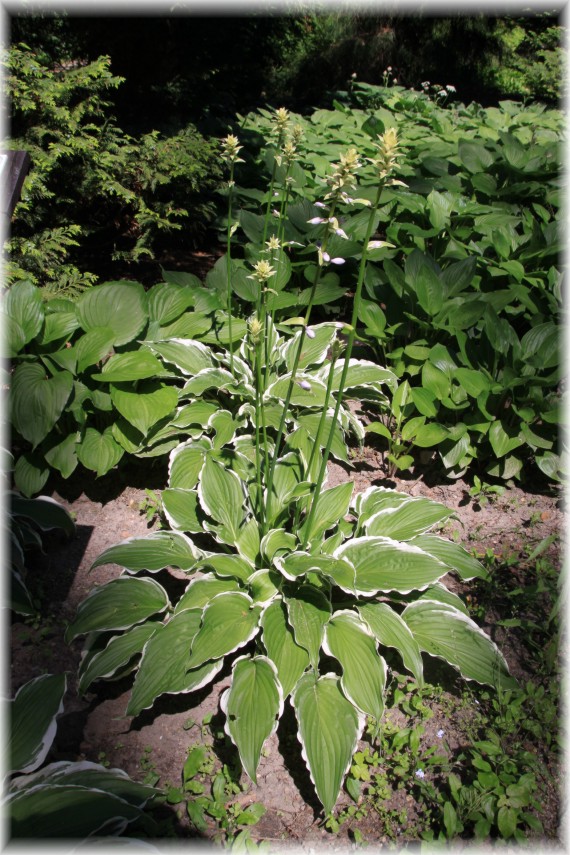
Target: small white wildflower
pixel 378 244
pixel 450 88
pixel 329 260
pixel 420 773
pixel 440 733
pixel 310 333
pixel 320 205
pixel 304 384
pixel 395 81
pixel 389 68
pixel 316 220
pixel 442 93
pixel 341 233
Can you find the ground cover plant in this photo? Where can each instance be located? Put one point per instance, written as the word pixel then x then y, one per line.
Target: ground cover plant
pixel 281 560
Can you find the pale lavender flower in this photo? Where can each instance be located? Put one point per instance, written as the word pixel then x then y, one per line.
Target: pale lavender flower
pixel 440 733
pixel 304 384
pixel 310 333
pixel 420 773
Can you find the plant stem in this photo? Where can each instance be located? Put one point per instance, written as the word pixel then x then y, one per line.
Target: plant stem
pixel 349 345
pixel 228 267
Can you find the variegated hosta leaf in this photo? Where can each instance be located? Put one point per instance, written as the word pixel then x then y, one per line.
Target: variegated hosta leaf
pixel 190 357
pixel 32 721
pixel 165 664
pixel 361 372
pixel 276 542
pixel 447 633
pixel 349 640
pixel 154 552
pixel 263 586
pixel 181 509
pixel 248 541
pixel 440 594
pixel 221 495
pixel 332 506
pixel 200 591
pixel 310 421
pixel 309 610
pixel 118 653
pixel 229 621
pixel 224 427
pixel 408 519
pixel 210 378
pixel 290 659
pixel 392 631
pixel 253 706
pixel 452 554
pixel 329 729
pixel 298 564
pixel 375 499
pixel 314 350
pixel 308 391
pixel 186 463
pixel 227 565
pixel 119 604
pixel 382 564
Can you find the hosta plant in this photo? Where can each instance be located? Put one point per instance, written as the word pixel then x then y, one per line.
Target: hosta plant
pixel 300 585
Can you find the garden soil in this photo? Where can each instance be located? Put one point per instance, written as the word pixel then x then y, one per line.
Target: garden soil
pixel 158 740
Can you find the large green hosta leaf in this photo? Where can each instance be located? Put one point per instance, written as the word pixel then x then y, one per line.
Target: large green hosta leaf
pixel 37 401
pixel 452 554
pixel 229 621
pixel 382 564
pixel 190 357
pixel 253 705
pixel 134 365
pixel 332 507
pixel 308 610
pixel 447 633
pixel 119 604
pixel 290 659
pixel 349 640
pixel 118 652
pixel 329 728
pixel 221 495
pixel 408 519
pixel 121 306
pixel 143 408
pixel 32 722
pixel 99 451
pixel 24 309
pixel 164 667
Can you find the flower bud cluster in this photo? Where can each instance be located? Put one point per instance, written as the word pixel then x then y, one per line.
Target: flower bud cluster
pixel 343 178
pixel 230 149
pixel 262 271
pixel 387 155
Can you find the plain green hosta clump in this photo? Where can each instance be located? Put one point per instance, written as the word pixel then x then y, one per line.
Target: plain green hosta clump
pixel 300 585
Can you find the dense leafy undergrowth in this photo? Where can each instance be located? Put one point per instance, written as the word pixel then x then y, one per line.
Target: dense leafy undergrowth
pixel 438 230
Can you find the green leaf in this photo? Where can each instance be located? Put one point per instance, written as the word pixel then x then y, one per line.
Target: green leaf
pixel 156 551
pixel 253 705
pixel 410 518
pixel 119 651
pixel 221 495
pixel 289 658
pixel 190 357
pixel 63 456
pixel 121 306
pixel 92 347
pixel 329 728
pixel 229 621
pixel 503 440
pixel 445 632
pixel 349 640
pixel 37 401
pixel 119 604
pixel 168 300
pixel 30 474
pixel 507 821
pixel 474 156
pixel 181 509
pixel 44 512
pixel 452 554
pixel 134 365
pixel 99 452
pixel 186 463
pixel 25 307
pixel 391 631
pixel 32 721
pixel 200 591
pixel 308 611
pixel 382 564
pixel 164 667
pixel 332 506
pixel 143 408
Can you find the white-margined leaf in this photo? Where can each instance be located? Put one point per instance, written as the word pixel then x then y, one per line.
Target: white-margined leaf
pixel 408 519
pixel 290 659
pixel 200 591
pixel 190 357
pixel 455 556
pixel 229 621
pixel 382 564
pixel 118 653
pixel 165 665
pixel 361 372
pixel 363 681
pixel 332 506
pixel 298 564
pixel 221 495
pixel 233 566
pixel 32 722
pixel 392 631
pixel 253 706
pixel 181 509
pixel 314 350
pixel 156 551
pixel 210 378
pixel 263 586
pixel 375 499
pixel 277 541
pixel 186 463
pixel 311 394
pixel 308 610
pixel 440 594
pixel 119 604
pixel 329 729
pixel 447 633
